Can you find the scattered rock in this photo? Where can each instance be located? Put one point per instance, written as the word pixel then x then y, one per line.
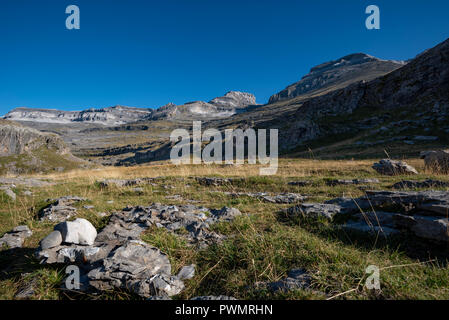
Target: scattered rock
pixel 392 167
pixel 224 214
pixel 350 182
pixel 138 190
pixel 10 194
pixel 79 231
pixel 302 183
pixel 174 197
pixel 213 181
pixel 26 182
pixel 16 237
pixel 314 210
pixel 125 183
pixel 60 210
pixel 208 298
pixel 27 193
pixel 88 207
pixel 27 289
pixel 54 239
pixel 276 198
pixel 296 279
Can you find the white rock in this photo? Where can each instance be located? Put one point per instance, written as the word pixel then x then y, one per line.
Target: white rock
pixel 79 231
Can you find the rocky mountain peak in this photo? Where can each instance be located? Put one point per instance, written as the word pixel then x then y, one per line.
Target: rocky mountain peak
pixel 235 99
pixel 337 74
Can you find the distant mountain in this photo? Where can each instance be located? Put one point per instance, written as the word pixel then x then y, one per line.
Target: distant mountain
pixel 234 100
pixel 220 107
pixel 338 74
pixel 107 116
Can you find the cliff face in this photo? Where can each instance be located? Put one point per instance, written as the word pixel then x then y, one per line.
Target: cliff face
pixel 220 107
pixel 107 116
pixel 16 139
pixel 26 150
pixel 338 74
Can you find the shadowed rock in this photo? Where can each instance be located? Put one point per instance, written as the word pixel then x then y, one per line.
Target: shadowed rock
pixel 410 184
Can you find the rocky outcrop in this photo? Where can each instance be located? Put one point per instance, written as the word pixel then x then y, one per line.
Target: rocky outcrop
pixel 16 139
pixel 392 168
pixel 337 73
pixel 60 209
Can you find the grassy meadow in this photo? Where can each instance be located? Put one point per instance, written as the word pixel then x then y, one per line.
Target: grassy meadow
pixel 261 245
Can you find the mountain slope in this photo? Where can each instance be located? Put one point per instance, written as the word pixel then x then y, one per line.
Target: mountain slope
pixel 415 96
pixel 338 74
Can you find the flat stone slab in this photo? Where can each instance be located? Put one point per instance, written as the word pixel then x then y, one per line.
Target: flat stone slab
pixel 393 167
pixel 410 184
pixel 422 213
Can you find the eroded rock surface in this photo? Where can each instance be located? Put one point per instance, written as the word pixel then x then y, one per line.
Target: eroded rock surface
pixel 60 210
pixel 296 279
pixel 410 184
pixel 287 198
pixel 393 167
pixel 353 181
pixel 119 259
pixel 16 237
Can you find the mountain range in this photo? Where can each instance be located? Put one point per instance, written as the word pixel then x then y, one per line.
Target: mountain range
pixel 357 105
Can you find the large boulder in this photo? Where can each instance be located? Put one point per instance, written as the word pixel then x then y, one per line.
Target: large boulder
pixel 436 161
pixel 393 167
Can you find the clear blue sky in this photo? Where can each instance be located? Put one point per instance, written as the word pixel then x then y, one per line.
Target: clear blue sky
pixel 148 53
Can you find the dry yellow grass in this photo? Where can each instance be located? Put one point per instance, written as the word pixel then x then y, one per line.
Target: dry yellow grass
pixel 287 168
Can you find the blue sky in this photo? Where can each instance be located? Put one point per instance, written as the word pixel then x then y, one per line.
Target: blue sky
pixel 148 53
